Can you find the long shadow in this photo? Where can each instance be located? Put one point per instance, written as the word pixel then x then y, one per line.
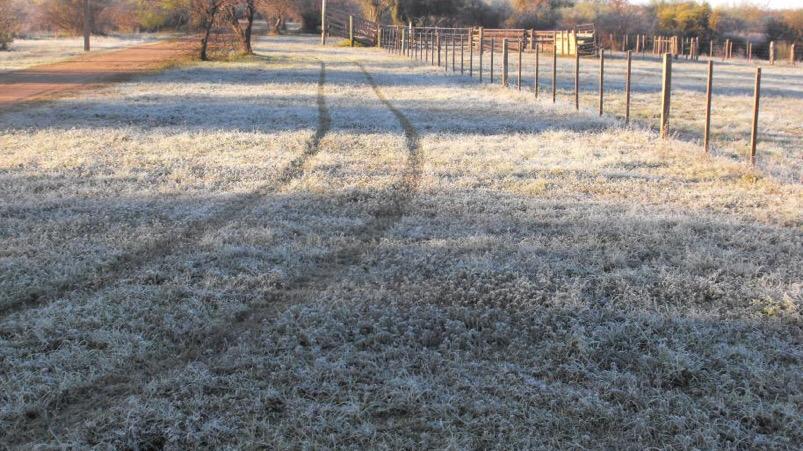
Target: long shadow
pixel 396 203
pixel 111 271
pixel 679 266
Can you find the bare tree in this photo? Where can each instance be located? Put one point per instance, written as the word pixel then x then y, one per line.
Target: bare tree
pixel 276 12
pixel 205 15
pixel 243 33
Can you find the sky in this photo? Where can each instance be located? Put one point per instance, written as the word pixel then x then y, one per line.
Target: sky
pixel 774 4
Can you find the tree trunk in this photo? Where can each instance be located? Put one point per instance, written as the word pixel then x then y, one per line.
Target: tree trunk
pixel 277 26
pixel 250 12
pixel 243 34
pixel 205 40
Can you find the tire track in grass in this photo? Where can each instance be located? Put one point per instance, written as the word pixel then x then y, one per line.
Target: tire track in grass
pixel 103 275
pixel 70 408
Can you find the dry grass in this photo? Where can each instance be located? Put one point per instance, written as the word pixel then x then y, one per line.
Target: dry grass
pixel 555 280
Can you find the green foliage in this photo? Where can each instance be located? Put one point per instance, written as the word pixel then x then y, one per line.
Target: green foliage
pixel 684 18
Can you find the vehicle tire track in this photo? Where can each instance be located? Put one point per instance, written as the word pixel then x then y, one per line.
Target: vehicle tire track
pixel 103 275
pixel 69 408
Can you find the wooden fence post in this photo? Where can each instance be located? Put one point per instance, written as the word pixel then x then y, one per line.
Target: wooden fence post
pixel 411 41
pixel 708 93
pixel 555 41
pixel 323 24
pixel 425 42
pixel 666 94
pixel 481 55
pixel 601 80
pixel 493 49
pixel 754 134
pixel 438 39
pixel 792 55
pixel 454 53
pixel 772 52
pixel 554 71
pixel 351 31
pixel 446 53
pixel 87 25
pixel 471 54
pixel 462 52
pixel 432 40
pixel 446 47
pixel 518 79
pixel 404 41
pixel 536 69
pixel 577 80
pixel 627 87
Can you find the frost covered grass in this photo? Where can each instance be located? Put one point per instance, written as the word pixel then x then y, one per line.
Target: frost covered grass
pixel 471 270
pixel 780 149
pixel 29 52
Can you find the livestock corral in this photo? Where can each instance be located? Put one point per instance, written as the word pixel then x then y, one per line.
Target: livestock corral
pixel 335 247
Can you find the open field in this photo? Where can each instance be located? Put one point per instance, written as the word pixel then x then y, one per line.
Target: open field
pixel 320 248
pixel 25 53
pixel 781 120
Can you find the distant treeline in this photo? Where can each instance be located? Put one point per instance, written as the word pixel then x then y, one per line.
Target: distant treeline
pixel 683 18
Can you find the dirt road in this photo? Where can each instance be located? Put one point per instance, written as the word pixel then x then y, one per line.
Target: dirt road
pixel 52 80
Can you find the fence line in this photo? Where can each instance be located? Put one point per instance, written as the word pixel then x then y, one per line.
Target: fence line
pixel 436 46
pixel 582 39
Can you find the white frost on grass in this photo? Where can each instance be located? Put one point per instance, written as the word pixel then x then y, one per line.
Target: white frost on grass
pixel 24 53
pixel 557 280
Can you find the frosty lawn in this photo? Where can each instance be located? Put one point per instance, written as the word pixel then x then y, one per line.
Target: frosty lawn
pixel 416 273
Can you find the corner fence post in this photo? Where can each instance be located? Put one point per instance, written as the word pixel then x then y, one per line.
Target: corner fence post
pixel 754 133
pixel 666 90
pixel 708 92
